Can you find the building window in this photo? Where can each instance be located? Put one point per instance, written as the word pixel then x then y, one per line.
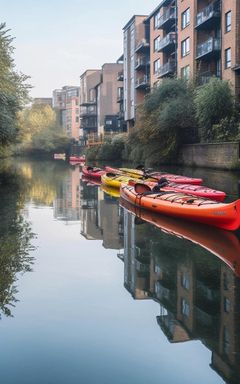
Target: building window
pixel 156 66
pixel 185 281
pixel 185 72
pixel 186 18
pixel 228 58
pixel 156 20
pixel 226 305
pixel 156 43
pixel 185 307
pixel 228 21
pixel 185 47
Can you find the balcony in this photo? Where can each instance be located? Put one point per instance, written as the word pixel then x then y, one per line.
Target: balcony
pixel 120 115
pixel 87 112
pixel 142 82
pixel 167 43
pixel 167 19
pixel 210 47
pixel 204 77
pixel 142 46
pixel 141 63
pixel 120 76
pixel 167 69
pixel 87 103
pixel 210 14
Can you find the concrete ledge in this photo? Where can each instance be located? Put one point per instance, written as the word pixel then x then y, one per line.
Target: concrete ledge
pixel 214 155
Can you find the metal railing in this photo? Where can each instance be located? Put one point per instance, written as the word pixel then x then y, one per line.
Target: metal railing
pixel 168 15
pixel 142 81
pixel 165 69
pixel 170 38
pixel 141 61
pixel 211 10
pixel 211 45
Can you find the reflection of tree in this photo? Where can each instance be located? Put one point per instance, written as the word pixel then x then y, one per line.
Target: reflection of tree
pixel 15 238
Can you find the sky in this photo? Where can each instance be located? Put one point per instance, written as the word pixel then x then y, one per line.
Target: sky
pixel 57 40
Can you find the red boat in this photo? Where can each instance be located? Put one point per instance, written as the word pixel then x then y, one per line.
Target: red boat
pixel 138 173
pixel 195 190
pixel 77 159
pixel 93 172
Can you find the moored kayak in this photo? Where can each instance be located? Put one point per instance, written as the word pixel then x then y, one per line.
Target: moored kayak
pixel 223 244
pixel 80 159
pixel 115 180
pixel 184 206
pixel 93 172
pixel 137 173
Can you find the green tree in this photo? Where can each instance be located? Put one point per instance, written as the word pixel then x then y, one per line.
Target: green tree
pixel 213 102
pixel 13 89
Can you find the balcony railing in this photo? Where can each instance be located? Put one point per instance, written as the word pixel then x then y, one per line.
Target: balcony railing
pixel 204 77
pixel 120 96
pixel 142 46
pixel 142 82
pixel 168 41
pixel 88 112
pixel 141 62
pixel 210 46
pixel 212 10
pixel 168 16
pixel 167 69
pixel 86 103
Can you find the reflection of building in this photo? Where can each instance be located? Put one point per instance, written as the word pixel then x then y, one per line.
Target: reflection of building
pixel 67 204
pixel 66 103
pixel 100 217
pixel 198 294
pixel 136 259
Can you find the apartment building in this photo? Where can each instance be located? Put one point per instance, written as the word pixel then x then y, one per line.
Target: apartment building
pixel 99 100
pixel 136 50
pixel 196 39
pixel 66 103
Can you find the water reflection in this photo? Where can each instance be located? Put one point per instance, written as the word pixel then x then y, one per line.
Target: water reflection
pixel 191 271
pixel 15 236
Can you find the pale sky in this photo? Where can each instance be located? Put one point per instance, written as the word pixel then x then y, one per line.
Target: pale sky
pixel 57 40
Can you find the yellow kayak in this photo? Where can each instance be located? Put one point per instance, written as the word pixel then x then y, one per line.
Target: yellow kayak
pixel 114 180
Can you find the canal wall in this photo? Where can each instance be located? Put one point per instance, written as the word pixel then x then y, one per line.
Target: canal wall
pixel 214 155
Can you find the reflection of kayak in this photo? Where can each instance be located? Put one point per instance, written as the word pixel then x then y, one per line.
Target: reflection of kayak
pixel 115 180
pixel 59 156
pixel 157 175
pixel 114 192
pixel 93 172
pixel 80 159
pixel 90 181
pixel 224 244
pixel 188 207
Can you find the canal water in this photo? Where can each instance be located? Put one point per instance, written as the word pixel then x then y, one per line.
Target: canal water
pixel 92 291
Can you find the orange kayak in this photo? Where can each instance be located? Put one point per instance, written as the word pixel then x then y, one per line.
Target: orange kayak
pixel 189 207
pixel 223 244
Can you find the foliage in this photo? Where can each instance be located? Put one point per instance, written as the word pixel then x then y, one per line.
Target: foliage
pixel 40 132
pixel 111 149
pixel 13 89
pixel 214 103
pixel 163 118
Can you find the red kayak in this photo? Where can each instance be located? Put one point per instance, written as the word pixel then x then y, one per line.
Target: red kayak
pixel 155 175
pixel 195 190
pixel 93 172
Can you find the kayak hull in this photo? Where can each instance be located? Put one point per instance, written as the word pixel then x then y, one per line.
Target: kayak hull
pixel 214 213
pixel 93 172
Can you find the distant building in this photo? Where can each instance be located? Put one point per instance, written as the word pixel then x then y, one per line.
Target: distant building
pixel 43 101
pixel 66 102
pixel 99 100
